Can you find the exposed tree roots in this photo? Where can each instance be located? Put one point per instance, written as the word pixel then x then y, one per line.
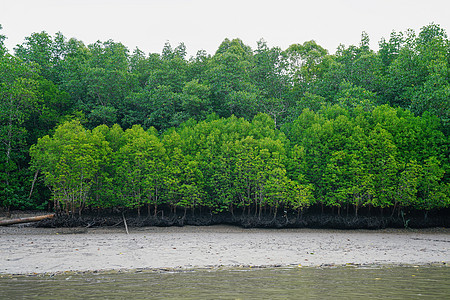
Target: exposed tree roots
pixel 326 221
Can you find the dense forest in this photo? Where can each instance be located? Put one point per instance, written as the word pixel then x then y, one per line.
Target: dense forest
pixel 259 131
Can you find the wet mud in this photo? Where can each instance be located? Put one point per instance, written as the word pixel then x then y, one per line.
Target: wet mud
pixel 309 220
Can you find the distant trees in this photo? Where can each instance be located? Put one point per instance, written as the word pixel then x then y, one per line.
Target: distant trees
pixel 240 130
pixel 18 101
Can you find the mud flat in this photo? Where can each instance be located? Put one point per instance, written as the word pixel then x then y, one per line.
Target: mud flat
pixel 26 250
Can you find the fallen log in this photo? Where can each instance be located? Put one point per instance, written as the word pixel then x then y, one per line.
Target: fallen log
pixel 25 220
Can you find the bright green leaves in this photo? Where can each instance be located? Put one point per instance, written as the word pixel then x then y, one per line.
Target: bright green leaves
pixel 225 163
pixel 70 161
pixel 139 165
pixel 421 185
pixel 434 192
pixel 378 158
pixel 339 157
pixel 381 155
pixel 191 190
pixel 408 184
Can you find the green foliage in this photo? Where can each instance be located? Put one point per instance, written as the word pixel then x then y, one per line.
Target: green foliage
pixel 377 158
pixel 241 129
pixel 3 49
pixel 18 103
pixel 69 162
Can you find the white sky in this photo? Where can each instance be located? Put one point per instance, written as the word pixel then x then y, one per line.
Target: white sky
pixel 203 24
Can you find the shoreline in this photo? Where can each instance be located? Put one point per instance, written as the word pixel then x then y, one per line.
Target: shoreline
pixel 26 250
pixel 219 268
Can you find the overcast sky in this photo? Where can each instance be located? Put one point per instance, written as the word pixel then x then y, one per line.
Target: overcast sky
pixel 203 24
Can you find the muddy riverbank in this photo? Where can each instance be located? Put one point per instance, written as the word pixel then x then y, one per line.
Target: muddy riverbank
pixel 51 250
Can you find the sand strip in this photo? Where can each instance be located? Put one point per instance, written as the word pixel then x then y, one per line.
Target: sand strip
pixel 34 250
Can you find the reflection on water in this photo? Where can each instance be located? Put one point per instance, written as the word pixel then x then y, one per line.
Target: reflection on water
pixel 241 283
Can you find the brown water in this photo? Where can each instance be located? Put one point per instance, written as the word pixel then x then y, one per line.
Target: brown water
pixel 239 283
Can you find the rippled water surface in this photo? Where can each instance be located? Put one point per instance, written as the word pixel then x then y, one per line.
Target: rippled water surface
pixel 240 283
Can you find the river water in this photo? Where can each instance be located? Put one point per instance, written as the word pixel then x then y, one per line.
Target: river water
pixel 350 282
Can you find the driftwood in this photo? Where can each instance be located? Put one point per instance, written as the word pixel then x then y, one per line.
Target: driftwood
pixel 25 220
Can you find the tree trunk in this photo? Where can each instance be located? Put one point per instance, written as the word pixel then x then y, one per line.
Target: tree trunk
pixel 393 210
pixel 32 184
pixel 25 220
pixel 275 213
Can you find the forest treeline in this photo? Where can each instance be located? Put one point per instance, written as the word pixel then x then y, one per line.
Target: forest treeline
pixel 259 131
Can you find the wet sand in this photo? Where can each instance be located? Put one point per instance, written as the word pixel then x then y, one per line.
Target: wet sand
pixel 40 250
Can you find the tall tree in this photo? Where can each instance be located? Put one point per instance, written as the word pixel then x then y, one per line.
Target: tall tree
pixel 69 162
pixel 18 102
